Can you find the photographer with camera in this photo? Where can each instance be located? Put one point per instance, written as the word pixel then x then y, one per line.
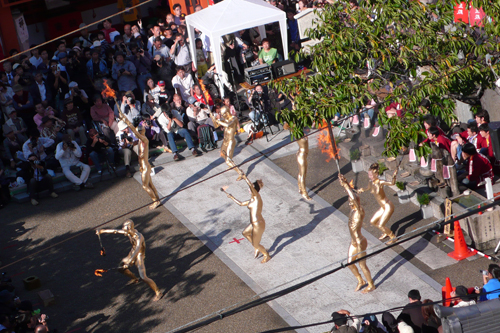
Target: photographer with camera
pixel 131 108
pixel 491 281
pixel 128 142
pixel 96 67
pixel 198 114
pixel 171 122
pixel 142 62
pixel 124 72
pixel 68 153
pixel 104 117
pixel 99 149
pixel 160 49
pixel 260 104
pixel 77 95
pixel 43 148
pixel 73 118
pixel 37 179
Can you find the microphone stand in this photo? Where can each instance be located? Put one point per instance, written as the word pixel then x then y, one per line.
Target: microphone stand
pixel 234 85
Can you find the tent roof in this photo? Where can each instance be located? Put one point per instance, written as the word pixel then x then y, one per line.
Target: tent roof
pixel 233 15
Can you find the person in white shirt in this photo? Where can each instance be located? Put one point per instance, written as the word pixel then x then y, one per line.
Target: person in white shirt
pixel 151 40
pixel 127 142
pixel 36 59
pixel 463 297
pixel 198 114
pixel 68 153
pixel 180 53
pixel 183 84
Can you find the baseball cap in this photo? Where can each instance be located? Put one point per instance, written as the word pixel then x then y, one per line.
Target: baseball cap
pixel 157 57
pixel 191 100
pixel 96 43
pixel 15 66
pixel 73 84
pixel 161 83
pixel 62 55
pixel 17 87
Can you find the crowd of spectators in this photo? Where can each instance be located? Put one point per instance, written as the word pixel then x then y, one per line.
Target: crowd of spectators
pixel 419 316
pixel 55 119
pixel 16 315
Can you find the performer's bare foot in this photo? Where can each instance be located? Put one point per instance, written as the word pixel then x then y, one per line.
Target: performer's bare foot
pixel 368 289
pixel 393 239
pixel 383 236
pixel 154 205
pixel 157 297
pixel 266 259
pixel 134 281
pixel 256 253
pixel 305 195
pixel 360 284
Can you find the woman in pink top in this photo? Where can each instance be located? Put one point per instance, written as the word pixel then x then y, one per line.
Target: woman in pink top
pixel 40 113
pixel 102 113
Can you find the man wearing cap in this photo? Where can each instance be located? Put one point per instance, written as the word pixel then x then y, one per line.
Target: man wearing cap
pixel 342 324
pixel 172 123
pixel 40 90
pixel 197 116
pixel 96 67
pixel 43 148
pixel 124 72
pixel 462 297
pixel 412 312
pixel 77 95
pixel 151 108
pixel 478 168
pixel 85 38
pixel 131 107
pixel 162 71
pixel 68 153
pixel 73 118
pixel 142 62
pixel 183 84
pixel 17 125
pixel 52 128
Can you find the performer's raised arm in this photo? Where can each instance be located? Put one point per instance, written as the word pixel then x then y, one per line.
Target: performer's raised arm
pixel 110 231
pixel 349 190
pixel 141 137
pixel 393 181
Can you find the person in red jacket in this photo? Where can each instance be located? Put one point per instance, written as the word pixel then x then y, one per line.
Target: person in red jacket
pixel 486 147
pixel 459 140
pixel 430 121
pixel 479 167
pixel 437 138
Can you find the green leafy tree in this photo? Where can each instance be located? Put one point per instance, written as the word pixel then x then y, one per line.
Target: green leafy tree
pixel 394 50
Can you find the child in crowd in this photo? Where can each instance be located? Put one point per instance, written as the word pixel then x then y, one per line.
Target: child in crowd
pixel 200 58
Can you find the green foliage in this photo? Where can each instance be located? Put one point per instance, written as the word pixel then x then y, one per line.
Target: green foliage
pixel 355 155
pixel 415 56
pixel 423 199
pixel 401 186
pixel 381 168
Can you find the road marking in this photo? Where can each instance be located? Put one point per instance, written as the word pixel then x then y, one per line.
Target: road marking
pixel 236 240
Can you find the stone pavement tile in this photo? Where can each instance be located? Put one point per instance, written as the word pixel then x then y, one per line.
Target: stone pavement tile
pixel 428 253
pixel 303 236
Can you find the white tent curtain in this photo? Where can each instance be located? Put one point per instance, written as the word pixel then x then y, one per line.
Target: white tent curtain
pixel 230 16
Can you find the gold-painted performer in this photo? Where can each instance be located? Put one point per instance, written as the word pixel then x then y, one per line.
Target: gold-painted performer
pixel 144 166
pixel 358 241
pixel 302 163
pixel 376 187
pixel 230 124
pixel 257 223
pixel 136 256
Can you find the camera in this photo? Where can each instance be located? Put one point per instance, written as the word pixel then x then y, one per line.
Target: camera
pixel 122 70
pixel 140 50
pixel 71 145
pixel 485 273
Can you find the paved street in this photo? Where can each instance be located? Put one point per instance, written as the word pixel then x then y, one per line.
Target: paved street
pixel 301 236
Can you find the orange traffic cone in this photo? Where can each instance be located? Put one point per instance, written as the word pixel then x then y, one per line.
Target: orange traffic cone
pixel 461 251
pixel 446 292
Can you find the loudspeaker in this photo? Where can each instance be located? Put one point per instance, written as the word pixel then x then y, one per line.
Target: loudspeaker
pixel 495 138
pixel 284 68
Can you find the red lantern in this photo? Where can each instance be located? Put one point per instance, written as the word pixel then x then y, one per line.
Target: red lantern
pixel 460 13
pixel 476 16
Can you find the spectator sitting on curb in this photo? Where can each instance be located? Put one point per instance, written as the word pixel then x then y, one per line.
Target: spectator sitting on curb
pixel 463 297
pixel 171 122
pixel 73 118
pixel 52 128
pixel 99 149
pixel 341 324
pixel 68 153
pixel 479 168
pixel 38 179
pixel 43 148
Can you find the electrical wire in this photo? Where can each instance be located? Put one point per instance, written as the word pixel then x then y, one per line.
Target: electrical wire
pixel 399 308
pixel 189 327
pixel 77 30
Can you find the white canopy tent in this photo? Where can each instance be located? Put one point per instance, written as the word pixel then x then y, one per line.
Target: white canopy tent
pixel 230 16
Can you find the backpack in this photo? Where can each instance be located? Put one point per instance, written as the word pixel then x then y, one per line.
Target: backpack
pixel 206 137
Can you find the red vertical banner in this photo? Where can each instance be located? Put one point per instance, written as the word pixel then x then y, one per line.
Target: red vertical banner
pixel 460 13
pixel 476 16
